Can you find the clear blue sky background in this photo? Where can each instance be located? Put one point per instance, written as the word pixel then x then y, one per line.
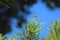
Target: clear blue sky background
pixel 45 15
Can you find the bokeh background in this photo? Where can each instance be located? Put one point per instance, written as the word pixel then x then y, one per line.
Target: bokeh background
pixel 44 14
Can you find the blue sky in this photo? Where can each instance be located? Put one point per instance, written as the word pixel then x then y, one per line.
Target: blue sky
pixel 43 13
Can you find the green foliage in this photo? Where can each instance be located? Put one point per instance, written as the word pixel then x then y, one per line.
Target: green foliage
pixel 16 36
pixel 30 32
pixel 2 37
pixel 54 32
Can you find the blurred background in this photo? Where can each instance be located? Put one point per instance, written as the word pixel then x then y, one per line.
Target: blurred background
pixel 46 12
